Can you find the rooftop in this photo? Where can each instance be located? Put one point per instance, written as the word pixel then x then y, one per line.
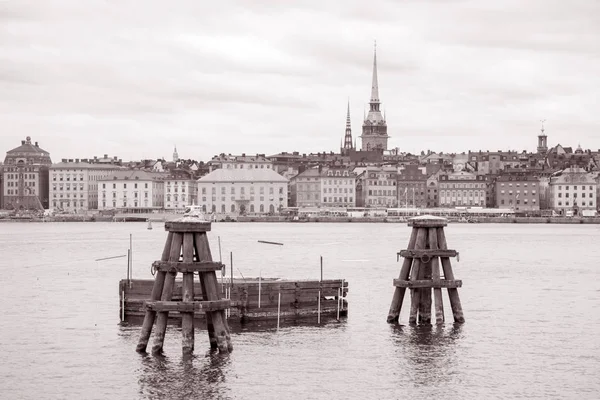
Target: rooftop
pixel 242 175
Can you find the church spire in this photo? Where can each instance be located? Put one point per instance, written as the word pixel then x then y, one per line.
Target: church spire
pixel 175 155
pixel 348 136
pixel 374 83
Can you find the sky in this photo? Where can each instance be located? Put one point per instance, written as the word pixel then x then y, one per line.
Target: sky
pixel 135 78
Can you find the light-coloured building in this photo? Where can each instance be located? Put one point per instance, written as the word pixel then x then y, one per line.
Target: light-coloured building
pixel 25 177
pixel 518 192
pixel 241 191
pixel 74 184
pixel 180 193
pixel 338 187
pixel 462 189
pixel 131 191
pixel 379 187
pixel 574 189
pixel 227 161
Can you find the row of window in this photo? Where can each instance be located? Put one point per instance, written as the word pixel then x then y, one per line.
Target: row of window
pixel 20 176
pixel 135 195
pixel 338 199
pixel 335 190
pixel 68 195
pixel 517 201
pixel 381 183
pixel 242 190
pixel 338 182
pixel 223 198
pixel 575 187
pixel 590 195
pixel 532 184
pixel 68 177
pixel 462 185
pixel 27 184
pixel 533 192
pixel 382 192
pixel 114 186
pixel 583 203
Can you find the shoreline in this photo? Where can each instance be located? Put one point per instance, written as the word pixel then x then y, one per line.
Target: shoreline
pixel 281 219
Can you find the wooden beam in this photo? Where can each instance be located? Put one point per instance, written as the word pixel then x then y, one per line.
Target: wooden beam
pixel 413 253
pixel 428 283
pixel 182 267
pixel 188 306
pixel 187 227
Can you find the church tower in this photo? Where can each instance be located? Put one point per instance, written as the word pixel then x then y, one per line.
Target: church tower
pixel 348 135
pixel 374 130
pixel 542 141
pixel 175 155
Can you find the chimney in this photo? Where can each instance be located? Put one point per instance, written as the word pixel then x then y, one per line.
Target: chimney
pixel 36 144
pixel 22 142
pixel 106 156
pixel 64 160
pixel 77 160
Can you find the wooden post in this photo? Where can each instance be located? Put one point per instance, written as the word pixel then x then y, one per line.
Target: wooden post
pixel 155 295
pixel 187 318
pixel 167 294
pixel 435 276
pixel 449 275
pixel 203 253
pixel 398 298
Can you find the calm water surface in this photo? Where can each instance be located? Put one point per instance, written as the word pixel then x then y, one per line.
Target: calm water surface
pixel 531 297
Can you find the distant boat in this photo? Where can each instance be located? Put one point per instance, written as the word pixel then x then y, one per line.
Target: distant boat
pixel 149 224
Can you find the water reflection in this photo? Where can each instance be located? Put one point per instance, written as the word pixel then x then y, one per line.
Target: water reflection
pixel 194 376
pixel 427 353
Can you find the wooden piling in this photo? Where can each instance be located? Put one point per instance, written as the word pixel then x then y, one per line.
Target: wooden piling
pixel 154 296
pixel 421 273
pixel 167 294
pixel 187 251
pixel 449 276
pixel 187 318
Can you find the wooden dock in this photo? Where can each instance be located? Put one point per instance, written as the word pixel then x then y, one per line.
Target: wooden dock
pixel 285 299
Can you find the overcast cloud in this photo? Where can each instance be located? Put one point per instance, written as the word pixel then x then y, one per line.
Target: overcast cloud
pixel 133 78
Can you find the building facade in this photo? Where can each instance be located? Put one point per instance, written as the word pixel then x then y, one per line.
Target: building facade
pixel 306 188
pixel 243 191
pixel 180 193
pixel 462 189
pixel 131 191
pixel 412 187
pixel 574 189
pixel 379 187
pixel 25 177
pixel 518 192
pixel 338 187
pixel 74 184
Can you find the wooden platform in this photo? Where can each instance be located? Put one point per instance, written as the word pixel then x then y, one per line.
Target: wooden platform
pixel 299 299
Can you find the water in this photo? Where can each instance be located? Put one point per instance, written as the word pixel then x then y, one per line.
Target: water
pixel 531 297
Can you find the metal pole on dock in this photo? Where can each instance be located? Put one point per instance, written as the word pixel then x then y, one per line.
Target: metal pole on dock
pixel 122 305
pixel 259 286
pixel 278 309
pixel 321 269
pixel 131 256
pixel 338 304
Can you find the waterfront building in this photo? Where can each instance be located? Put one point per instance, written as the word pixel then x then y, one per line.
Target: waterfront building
pixel 432 190
pixel 25 177
pixel 573 189
pixel 412 186
pixel 306 188
pixel 242 191
pixel 338 185
pixel 462 189
pixel 181 190
pixel 227 161
pixel 374 130
pixel 132 191
pixel 518 192
pixel 74 184
pixel 379 187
